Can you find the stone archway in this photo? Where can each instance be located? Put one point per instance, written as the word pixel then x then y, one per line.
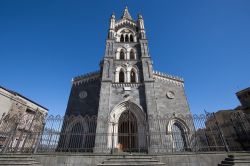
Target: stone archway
pixel 178 130
pixel 127 125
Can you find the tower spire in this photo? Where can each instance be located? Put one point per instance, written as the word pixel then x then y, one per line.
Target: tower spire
pixel 126 14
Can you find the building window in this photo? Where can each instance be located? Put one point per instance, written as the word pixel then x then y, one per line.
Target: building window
pixel 131 38
pixel 122 38
pixel 122 55
pixel 126 38
pixel 132 77
pixel 30 111
pixel 121 76
pixel 132 54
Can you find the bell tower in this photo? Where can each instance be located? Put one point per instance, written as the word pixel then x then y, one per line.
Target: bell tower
pixel 126 69
pixel 127 80
pixel 126 58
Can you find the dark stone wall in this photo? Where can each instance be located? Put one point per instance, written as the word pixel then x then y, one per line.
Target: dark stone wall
pixel 80 105
pixel 178 104
pixel 136 95
pixel 84 106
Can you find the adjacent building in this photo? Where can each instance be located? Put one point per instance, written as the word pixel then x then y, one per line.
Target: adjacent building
pixel 21 120
pixel 229 129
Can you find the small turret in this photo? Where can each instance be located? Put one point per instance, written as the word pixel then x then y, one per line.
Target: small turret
pixel 112 21
pixel 140 23
pixel 112 26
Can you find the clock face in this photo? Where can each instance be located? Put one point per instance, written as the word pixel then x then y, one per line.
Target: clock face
pixel 83 94
pixel 170 94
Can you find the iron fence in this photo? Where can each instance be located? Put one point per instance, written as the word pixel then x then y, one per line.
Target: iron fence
pixel 153 134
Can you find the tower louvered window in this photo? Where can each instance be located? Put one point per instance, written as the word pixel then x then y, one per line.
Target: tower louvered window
pixel 132 54
pixel 122 55
pixel 132 77
pixel 121 76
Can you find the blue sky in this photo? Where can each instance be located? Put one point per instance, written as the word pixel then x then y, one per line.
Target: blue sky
pixel 43 44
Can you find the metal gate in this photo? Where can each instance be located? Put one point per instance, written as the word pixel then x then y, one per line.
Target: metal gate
pixel 128 132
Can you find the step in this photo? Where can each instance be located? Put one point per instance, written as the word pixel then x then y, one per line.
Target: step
pixel 18 162
pixel 128 161
pixel 224 164
pixel 16 159
pixel 235 162
pixel 15 156
pixel 132 164
pixel 240 155
pixel 236 159
pixel 132 158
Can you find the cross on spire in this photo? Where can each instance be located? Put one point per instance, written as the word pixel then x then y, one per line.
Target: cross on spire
pixel 126 14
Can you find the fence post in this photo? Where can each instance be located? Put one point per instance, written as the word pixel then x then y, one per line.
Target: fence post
pixel 39 138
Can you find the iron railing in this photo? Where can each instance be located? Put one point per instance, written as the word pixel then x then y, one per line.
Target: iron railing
pixel 167 134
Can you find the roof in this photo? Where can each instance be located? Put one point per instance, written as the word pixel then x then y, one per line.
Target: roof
pixel 18 94
pixel 243 91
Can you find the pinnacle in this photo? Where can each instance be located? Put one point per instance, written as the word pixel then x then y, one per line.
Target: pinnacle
pixel 126 14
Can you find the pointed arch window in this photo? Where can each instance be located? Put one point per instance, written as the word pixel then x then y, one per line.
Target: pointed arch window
pixel 121 76
pixel 122 38
pixel 131 38
pixel 126 38
pixel 179 138
pixel 132 76
pixel 122 55
pixel 132 54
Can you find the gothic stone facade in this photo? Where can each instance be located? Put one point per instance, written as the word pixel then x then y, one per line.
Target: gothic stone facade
pixel 126 85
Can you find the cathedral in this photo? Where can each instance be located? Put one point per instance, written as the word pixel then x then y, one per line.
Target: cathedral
pixel 134 107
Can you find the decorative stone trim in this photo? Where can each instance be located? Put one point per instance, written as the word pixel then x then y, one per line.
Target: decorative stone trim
pixel 122 85
pixel 86 78
pixel 168 78
pixel 125 21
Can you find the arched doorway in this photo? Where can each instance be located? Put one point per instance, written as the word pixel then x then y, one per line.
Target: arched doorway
pixel 127 123
pixel 179 138
pixel 128 131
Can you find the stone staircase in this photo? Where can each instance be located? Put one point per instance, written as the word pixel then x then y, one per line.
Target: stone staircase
pixel 130 161
pixel 17 160
pixel 237 159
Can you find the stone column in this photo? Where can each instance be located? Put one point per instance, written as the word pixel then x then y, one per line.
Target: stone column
pixel 127 76
pixel 116 76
